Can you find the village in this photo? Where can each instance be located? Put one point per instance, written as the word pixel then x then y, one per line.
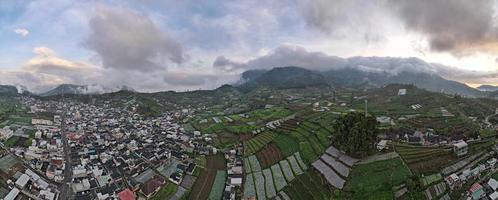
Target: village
pixel 71 149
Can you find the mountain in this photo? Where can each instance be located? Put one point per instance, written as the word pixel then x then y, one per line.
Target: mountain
pixel 354 78
pixel 66 89
pixel 281 78
pixel 488 88
pixel 8 90
pixel 85 89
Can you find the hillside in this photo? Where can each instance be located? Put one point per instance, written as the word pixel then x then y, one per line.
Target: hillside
pixel 283 78
pixel 360 79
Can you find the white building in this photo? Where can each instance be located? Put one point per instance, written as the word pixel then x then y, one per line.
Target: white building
pixel 6 133
pixel 460 148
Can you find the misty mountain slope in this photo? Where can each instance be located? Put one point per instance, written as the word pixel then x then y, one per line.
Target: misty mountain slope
pixel 488 88
pixel 282 78
pixel 84 89
pixel 8 90
pixel 355 78
pixel 66 89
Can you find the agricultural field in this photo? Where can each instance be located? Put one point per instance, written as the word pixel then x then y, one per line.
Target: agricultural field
pixel 444 125
pixel 375 180
pixel 166 191
pixel 308 185
pixel 421 160
pixel 203 185
pixel 286 144
pixel 255 144
pixel 219 185
pixel 269 155
pixel 236 124
pixel 272 180
pixel 310 146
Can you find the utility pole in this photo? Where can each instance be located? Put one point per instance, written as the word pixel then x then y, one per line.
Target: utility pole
pixel 366 108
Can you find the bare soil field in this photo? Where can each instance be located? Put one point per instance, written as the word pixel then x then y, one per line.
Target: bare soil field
pixel 269 155
pixel 203 184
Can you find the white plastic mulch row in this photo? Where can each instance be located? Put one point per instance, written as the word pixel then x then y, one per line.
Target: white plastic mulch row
pixel 270 188
pixel 249 190
pixel 287 170
pixel 300 161
pixel 295 167
pixel 260 185
pixel 278 177
pixel 254 163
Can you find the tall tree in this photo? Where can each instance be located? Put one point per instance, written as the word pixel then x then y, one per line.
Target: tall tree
pixel 356 134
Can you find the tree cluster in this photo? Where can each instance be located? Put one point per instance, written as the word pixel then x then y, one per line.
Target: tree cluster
pixel 356 134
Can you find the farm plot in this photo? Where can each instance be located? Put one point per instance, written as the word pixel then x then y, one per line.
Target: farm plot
pixel 259 181
pixel 255 144
pixel 375 180
pixel 286 144
pixel 421 159
pixel 305 147
pixel 289 175
pixel 219 185
pixel 294 164
pixel 307 186
pixel 249 190
pixel 255 167
pixel 278 177
pixel 270 188
pixel 315 144
pixel 300 161
pixel 247 165
pixel 269 156
pixel 202 186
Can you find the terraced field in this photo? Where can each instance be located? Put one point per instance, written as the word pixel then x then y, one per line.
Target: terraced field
pixel 286 144
pixel 308 186
pixel 421 159
pixel 269 156
pixel 313 140
pixel 256 143
pixel 375 180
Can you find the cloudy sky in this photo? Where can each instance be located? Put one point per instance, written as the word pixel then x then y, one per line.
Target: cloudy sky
pixel 153 45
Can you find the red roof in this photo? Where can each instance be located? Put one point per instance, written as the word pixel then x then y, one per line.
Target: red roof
pixel 126 194
pixel 475 187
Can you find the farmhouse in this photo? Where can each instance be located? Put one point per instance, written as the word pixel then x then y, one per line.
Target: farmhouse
pixel 402 92
pixel 460 148
pixel 476 191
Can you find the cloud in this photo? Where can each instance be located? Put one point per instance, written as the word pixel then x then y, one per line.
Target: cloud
pixel 457 26
pixel 282 56
pixel 361 19
pixel 298 56
pixel 124 39
pixel 198 80
pixel 22 32
pixel 47 62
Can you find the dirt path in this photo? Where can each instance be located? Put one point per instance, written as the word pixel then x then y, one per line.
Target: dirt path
pixel 378 157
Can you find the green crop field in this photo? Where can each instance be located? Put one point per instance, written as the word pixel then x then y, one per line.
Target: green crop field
pixel 308 186
pixel 255 144
pixel 218 185
pixel 375 180
pixel 286 144
pixel 421 159
pixel 166 192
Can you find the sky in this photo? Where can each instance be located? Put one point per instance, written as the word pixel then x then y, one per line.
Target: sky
pixel 157 45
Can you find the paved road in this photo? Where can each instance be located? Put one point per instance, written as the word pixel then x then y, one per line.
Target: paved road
pixel 486 121
pixel 66 190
